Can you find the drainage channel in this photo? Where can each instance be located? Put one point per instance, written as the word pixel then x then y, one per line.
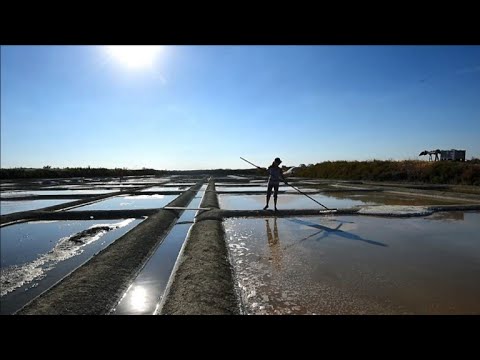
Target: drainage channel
pixel 146 291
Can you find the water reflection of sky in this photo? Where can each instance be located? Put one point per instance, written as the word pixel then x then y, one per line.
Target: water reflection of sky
pixel 144 294
pixel 330 200
pixel 166 188
pixel 129 202
pixel 285 201
pixel 53 192
pixel 357 265
pixel 146 291
pixel 35 255
pixel 246 188
pixel 8 207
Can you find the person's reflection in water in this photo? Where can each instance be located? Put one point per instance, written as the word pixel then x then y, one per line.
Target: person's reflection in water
pixel 274 243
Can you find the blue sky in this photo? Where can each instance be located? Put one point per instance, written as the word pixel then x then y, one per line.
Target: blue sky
pixel 205 106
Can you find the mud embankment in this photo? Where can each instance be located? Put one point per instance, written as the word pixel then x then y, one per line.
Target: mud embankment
pixel 202 282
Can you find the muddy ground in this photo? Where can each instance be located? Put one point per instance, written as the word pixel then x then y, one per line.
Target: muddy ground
pixel 202 282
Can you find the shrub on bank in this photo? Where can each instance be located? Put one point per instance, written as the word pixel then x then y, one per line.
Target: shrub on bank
pixel 435 172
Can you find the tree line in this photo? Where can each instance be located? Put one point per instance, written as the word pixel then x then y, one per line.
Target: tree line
pixel 52 173
pixel 435 172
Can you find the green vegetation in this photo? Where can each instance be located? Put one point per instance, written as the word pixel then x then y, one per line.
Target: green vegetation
pixel 54 173
pixel 434 172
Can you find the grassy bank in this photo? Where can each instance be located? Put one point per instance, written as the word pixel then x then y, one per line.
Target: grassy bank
pixel 55 173
pixel 435 172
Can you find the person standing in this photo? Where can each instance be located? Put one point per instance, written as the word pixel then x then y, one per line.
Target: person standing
pixel 275 175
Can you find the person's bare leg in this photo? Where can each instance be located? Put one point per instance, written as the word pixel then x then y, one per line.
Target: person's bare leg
pixel 269 194
pixel 275 196
pixel 268 200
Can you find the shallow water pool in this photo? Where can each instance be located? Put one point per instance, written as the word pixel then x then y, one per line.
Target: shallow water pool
pixel 35 255
pixel 9 207
pixel 357 264
pixel 125 202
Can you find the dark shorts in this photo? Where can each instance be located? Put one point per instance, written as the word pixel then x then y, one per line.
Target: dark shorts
pixel 274 185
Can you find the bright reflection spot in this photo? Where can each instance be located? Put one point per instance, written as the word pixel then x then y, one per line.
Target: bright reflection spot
pixel 138 299
pixel 134 56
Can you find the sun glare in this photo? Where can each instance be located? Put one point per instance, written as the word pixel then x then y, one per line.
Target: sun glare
pixel 138 300
pixel 134 56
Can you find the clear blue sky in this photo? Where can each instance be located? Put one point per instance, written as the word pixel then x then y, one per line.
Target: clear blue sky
pixel 205 106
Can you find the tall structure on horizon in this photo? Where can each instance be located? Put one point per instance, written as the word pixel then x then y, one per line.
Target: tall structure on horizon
pixel 454 155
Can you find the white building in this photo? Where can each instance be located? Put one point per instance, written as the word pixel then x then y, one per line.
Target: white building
pixel 453 155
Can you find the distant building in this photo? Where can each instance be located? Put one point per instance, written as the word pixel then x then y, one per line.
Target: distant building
pixel 453 154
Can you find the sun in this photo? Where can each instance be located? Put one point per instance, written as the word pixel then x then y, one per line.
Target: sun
pixel 134 56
